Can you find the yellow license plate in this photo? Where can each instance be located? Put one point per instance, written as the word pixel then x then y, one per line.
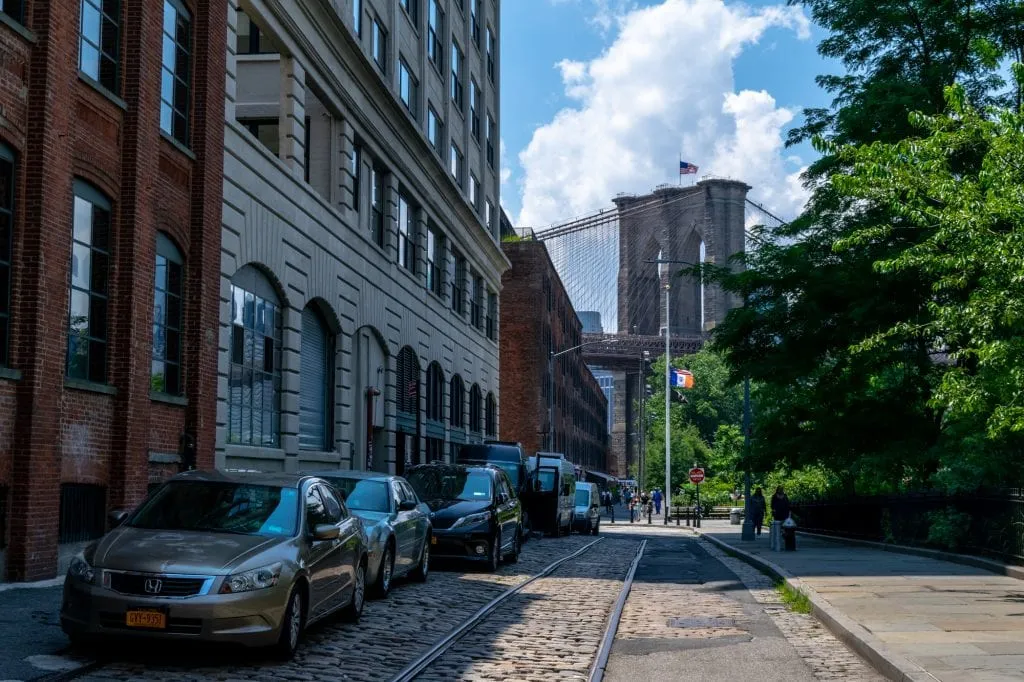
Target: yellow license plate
pixel 433 540
pixel 146 619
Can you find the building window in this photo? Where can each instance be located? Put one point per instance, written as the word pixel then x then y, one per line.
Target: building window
pixel 266 130
pixel 459 285
pixel 174 85
pixel 406 234
pixel 492 316
pixel 377 176
pixel 435 129
pixel 474 192
pixel 379 45
pixel 254 384
pixel 165 374
pixel 6 247
pixel 456 164
pixel 90 259
pixel 457 409
pixel 476 304
pixel 490 53
pixel 435 29
pixel 407 87
pixel 355 164
pixel 316 378
pixel 357 17
pixel 491 416
pixel 474 109
pixel 474 409
pixel 99 46
pixel 411 7
pixel 492 135
pixel 435 449
pixel 456 91
pixel 488 214
pixel 435 392
pixel 15 9
pixel 435 260
pixel 251 40
pixel 474 21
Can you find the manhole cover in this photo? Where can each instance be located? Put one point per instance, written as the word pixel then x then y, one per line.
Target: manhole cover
pixel 701 622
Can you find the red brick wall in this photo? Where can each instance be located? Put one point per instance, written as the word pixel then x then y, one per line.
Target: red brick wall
pixel 62 127
pixel 533 323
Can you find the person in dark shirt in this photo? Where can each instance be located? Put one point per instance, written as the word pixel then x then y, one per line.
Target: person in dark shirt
pixel 780 505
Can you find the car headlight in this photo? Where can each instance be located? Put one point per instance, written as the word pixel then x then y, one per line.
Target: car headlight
pixel 473 519
pixel 81 570
pixel 256 579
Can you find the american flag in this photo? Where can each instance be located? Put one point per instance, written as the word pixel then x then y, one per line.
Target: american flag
pixel 687 168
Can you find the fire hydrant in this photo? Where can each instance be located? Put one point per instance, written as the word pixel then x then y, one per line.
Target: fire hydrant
pixel 789 534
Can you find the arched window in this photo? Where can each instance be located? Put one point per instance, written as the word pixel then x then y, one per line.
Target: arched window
pixel 165 373
pixel 491 416
pixel 315 381
pixel 458 403
pixel 435 392
pixel 6 247
pixel 474 409
pixel 254 385
pixel 90 261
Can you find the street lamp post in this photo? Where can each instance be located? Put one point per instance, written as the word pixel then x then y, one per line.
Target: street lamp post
pixel 747 533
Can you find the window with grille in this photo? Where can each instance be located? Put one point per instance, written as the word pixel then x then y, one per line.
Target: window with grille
pixel 474 21
pixel 491 416
pixel 176 73
pixel 458 403
pixel 407 234
pixel 377 177
pixel 355 167
pixel 459 285
pixel 435 130
pixel 82 512
pixel 456 164
pixel 408 381
pixel 474 192
pixel 90 260
pixel 357 17
pixel 490 54
pixel 474 409
pixel 477 302
pixel 165 374
pixel 100 42
pixel 456 76
pixel 492 316
pixel 492 135
pixel 379 45
pixel 435 29
pixel 474 109
pixel 435 260
pixel 408 87
pixel 435 392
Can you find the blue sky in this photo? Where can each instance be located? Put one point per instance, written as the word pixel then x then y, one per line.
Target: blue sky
pixel 692 70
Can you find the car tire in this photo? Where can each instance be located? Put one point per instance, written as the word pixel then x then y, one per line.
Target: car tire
pixel 597 527
pixel 419 574
pixel 291 626
pixel 386 573
pixel 517 546
pixel 354 610
pixel 495 558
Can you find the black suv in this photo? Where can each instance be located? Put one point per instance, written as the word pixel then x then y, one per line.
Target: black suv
pixel 509 457
pixel 475 512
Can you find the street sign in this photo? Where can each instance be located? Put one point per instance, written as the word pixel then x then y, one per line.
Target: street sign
pixel 696 475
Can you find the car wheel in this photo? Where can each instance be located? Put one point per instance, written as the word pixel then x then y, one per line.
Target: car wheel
pixel 385 573
pixel 495 558
pixel 355 607
pixel 420 573
pixel 517 547
pixel 291 626
pixel 597 527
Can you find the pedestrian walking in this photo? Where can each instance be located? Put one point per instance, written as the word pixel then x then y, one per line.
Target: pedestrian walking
pixel 645 501
pixel 657 502
pixel 757 509
pixel 780 505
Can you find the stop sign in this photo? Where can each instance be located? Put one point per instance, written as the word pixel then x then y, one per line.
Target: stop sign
pixel 696 475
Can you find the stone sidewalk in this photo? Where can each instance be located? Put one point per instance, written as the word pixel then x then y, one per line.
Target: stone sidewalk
pixel 957 622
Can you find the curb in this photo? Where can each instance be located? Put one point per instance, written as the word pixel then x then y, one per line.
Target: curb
pixel 890 664
pixel 996 567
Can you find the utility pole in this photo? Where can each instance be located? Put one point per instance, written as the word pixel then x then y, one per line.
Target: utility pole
pixel 747 533
pixel 668 402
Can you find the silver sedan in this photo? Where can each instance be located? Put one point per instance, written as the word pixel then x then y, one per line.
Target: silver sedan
pixel 397 525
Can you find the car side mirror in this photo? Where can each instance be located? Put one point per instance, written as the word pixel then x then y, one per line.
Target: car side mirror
pixel 117 517
pixel 406 505
pixel 326 531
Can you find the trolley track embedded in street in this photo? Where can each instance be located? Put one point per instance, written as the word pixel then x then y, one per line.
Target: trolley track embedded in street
pixel 601 660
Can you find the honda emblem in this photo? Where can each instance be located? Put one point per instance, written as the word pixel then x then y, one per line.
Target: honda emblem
pixel 154 585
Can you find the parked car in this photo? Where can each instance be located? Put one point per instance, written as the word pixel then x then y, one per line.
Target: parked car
pixel 474 511
pixel 239 558
pixel 553 498
pixel 586 517
pixel 510 457
pixel 397 524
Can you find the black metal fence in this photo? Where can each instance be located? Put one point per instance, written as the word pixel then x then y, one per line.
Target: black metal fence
pixel 989 524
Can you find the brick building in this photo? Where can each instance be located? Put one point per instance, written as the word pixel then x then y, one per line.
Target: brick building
pixel 111 171
pixel 537 318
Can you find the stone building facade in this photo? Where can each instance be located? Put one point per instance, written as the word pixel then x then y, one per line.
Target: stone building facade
pixel 537 319
pixel 111 165
pixel 360 267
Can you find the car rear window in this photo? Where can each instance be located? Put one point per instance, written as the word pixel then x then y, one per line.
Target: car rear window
pixel 362 494
pixel 437 483
pixel 221 507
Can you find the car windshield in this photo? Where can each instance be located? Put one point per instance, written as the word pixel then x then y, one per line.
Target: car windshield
pixel 582 497
pixel 221 507
pixel 451 484
pixel 362 494
pixel 512 469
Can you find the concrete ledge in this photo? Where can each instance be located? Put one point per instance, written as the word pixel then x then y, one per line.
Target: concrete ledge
pixel 894 666
pixel 997 567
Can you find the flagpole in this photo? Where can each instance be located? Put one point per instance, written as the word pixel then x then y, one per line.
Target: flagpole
pixel 680 169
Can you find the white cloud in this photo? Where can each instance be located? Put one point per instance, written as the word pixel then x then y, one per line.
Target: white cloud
pixel 664 85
